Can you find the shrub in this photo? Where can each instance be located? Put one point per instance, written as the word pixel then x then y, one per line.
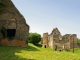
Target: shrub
pixel 78 40
pixel 3 31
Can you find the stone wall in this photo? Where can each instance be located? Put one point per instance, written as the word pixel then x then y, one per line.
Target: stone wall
pixel 50 41
pixel 58 42
pixel 45 40
pixel 66 41
pixel 6 42
pixel 11 18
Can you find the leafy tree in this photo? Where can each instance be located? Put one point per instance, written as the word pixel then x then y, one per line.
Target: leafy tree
pixel 34 38
pixel 78 40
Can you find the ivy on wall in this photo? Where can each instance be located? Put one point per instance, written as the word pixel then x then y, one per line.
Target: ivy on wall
pixel 1 6
pixel 4 31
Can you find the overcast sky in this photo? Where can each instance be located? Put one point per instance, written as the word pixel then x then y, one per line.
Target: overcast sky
pixel 44 15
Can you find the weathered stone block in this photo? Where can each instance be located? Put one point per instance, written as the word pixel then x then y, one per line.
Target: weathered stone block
pixel 20 43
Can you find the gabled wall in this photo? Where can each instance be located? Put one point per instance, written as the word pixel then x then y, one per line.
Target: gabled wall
pixel 11 18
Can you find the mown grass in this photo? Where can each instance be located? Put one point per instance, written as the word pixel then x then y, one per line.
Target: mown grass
pixel 36 53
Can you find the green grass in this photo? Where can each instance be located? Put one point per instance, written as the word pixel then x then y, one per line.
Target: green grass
pixel 36 53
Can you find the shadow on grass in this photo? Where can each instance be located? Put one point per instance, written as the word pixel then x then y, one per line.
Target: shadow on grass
pixel 12 56
pixel 38 45
pixel 8 53
pixel 30 48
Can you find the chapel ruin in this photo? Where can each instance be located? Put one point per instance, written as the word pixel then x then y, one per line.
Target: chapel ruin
pixel 13 28
pixel 58 42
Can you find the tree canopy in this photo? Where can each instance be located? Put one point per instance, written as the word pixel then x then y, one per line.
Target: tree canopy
pixel 78 40
pixel 34 38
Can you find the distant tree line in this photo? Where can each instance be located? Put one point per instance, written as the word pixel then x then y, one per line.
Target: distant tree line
pixel 78 40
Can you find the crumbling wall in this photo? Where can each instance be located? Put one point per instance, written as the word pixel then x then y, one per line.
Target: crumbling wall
pixel 66 42
pixel 11 18
pixel 50 41
pixel 55 36
pixel 58 42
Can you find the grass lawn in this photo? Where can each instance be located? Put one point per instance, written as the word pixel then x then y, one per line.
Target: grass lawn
pixel 36 53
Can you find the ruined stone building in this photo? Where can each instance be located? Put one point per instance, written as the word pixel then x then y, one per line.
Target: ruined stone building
pixel 58 42
pixel 13 28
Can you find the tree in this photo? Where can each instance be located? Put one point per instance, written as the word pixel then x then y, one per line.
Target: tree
pixel 34 38
pixel 78 40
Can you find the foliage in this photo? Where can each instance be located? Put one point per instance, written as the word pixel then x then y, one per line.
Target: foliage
pixel 34 38
pixel 4 32
pixel 35 53
pixel 1 6
pixel 78 40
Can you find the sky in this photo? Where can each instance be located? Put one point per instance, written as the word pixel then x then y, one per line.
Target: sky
pixel 44 15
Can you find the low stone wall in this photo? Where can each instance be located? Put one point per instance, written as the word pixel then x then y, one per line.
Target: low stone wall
pixel 6 42
pixel 76 45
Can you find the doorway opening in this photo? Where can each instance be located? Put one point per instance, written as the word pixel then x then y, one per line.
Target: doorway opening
pixel 55 47
pixel 11 33
pixel 44 46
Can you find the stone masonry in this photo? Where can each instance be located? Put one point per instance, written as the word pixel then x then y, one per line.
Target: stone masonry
pixel 45 40
pixel 14 30
pixel 58 42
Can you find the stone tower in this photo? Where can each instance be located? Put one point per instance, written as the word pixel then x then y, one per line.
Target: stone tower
pixel 13 27
pixel 45 40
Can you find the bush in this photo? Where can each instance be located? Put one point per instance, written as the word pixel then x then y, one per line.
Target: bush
pixel 34 38
pixel 78 40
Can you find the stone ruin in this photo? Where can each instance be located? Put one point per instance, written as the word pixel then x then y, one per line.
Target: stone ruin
pixel 58 42
pixel 13 28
